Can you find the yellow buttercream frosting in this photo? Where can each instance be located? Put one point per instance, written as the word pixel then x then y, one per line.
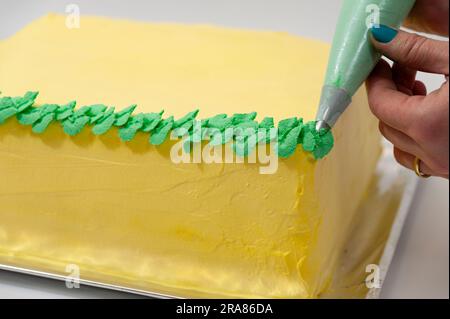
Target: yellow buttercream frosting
pixel 125 213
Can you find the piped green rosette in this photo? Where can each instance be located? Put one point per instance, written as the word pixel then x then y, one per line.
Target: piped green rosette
pixel 242 129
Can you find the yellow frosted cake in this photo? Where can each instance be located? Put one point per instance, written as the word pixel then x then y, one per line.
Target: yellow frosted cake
pixel 127 194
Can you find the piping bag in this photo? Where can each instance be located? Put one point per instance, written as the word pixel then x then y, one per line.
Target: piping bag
pixel 352 55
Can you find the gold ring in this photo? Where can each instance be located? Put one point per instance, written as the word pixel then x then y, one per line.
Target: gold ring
pixel 417 169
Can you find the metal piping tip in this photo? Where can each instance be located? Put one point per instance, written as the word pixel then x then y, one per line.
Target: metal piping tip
pixel 322 125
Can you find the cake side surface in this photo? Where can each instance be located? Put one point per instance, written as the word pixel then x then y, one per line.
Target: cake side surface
pixel 342 180
pixel 127 209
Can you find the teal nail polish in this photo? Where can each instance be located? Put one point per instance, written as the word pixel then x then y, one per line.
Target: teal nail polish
pixel 383 33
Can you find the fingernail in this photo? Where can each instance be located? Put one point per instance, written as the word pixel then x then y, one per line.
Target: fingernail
pixel 383 33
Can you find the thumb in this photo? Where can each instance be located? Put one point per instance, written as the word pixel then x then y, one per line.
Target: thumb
pixel 411 50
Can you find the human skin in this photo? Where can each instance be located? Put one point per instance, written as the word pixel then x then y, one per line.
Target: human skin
pixel 416 123
pixel 430 16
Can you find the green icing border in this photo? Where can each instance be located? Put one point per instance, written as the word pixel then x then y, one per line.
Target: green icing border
pixel 291 132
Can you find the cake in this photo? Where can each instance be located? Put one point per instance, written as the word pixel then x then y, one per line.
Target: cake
pixel 88 170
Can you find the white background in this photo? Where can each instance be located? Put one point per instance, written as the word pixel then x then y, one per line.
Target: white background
pixel 420 268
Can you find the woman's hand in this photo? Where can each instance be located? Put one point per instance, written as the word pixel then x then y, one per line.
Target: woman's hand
pixel 430 16
pixel 416 123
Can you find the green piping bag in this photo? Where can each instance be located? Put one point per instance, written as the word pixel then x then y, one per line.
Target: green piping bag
pixel 352 55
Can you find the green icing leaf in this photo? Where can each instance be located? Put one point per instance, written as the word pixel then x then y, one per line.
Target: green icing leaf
pixel 325 144
pixel 309 142
pixel 40 117
pixel 6 102
pixel 7 113
pixel 47 115
pixel 318 143
pixel 250 125
pixel 94 112
pixel 102 115
pixel 41 125
pixel 220 123
pixel 227 136
pixel 10 106
pixel 267 123
pixel 21 103
pixel 29 117
pixel 285 126
pixel 199 132
pixel 243 117
pixel 104 124
pixel 151 121
pixel 216 136
pixel 288 145
pixel 135 123
pixel 186 119
pixel 65 111
pixel 74 125
pixel 31 95
pixel 212 118
pixel 103 121
pixel 123 116
pixel 161 131
pixel 183 125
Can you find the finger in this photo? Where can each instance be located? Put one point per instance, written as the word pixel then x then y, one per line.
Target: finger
pixel 400 140
pixel 395 108
pixel 419 88
pixel 407 160
pixel 404 78
pixel 411 50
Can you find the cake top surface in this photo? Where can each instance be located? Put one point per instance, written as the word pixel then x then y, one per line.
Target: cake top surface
pixel 173 67
pixel 170 67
